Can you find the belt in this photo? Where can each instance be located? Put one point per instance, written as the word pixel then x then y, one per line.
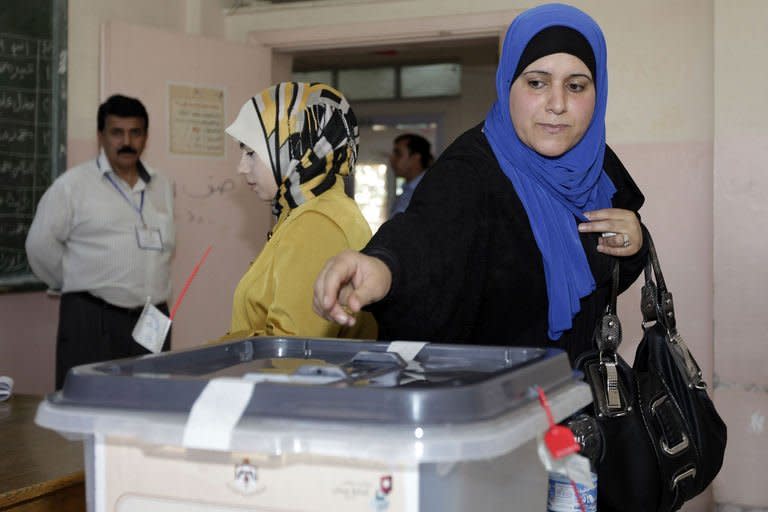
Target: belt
pixel 104 304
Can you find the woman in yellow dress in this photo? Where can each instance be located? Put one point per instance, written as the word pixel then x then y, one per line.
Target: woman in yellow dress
pixel 298 141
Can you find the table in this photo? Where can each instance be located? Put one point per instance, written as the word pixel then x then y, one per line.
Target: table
pixel 39 469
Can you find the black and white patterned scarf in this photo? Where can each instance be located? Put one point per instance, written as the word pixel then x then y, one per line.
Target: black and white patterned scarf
pixel 307 134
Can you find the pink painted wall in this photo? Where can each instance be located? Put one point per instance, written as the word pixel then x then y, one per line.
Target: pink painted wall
pixel 741 302
pixel 740 248
pixel 27 336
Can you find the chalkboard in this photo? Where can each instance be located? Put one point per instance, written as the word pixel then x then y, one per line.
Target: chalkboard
pixel 33 67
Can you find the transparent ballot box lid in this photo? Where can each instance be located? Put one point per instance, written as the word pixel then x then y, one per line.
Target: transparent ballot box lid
pixel 393 401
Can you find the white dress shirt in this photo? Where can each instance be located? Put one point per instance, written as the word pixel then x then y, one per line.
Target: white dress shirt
pixel 84 235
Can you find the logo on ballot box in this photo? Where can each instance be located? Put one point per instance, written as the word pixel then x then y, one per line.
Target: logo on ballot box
pixel 380 501
pixel 246 480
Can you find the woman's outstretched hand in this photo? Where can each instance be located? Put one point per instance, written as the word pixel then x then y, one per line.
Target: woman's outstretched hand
pixel 348 282
pixel 621 234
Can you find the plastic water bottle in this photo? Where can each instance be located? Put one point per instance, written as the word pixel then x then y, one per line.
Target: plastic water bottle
pixel 560 496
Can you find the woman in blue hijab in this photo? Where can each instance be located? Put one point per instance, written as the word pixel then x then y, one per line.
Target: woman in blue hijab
pixel 510 236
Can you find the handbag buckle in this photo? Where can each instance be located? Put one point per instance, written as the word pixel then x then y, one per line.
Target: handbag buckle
pixel 677 447
pixel 613 396
pixel 610 395
pixel 674 450
pixel 608 338
pixel 612 385
pixel 688 473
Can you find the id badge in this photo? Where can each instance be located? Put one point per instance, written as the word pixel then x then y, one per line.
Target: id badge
pixel 149 239
pixel 151 328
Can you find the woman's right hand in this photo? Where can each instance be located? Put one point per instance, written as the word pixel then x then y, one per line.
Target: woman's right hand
pixel 348 282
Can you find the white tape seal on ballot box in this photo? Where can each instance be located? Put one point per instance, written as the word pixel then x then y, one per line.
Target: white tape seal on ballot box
pixel 216 413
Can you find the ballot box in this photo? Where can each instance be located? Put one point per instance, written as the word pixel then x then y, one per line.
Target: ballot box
pixel 309 425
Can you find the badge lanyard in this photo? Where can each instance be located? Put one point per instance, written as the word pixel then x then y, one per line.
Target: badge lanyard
pixel 147 238
pixel 140 209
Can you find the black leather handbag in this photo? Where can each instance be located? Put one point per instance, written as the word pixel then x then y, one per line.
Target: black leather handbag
pixel 663 439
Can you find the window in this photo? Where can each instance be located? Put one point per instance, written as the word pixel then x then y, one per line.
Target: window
pixel 324 76
pixel 392 82
pixel 430 80
pixel 367 84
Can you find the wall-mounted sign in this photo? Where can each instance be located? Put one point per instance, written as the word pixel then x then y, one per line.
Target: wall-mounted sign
pixel 196 120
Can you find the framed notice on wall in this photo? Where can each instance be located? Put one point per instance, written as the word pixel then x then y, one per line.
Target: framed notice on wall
pixel 196 116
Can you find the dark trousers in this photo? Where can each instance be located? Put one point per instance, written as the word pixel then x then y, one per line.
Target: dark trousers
pixel 92 330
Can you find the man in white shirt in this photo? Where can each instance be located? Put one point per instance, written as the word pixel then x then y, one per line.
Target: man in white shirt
pixel 410 157
pixel 103 234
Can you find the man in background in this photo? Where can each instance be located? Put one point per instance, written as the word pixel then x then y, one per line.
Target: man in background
pixel 103 235
pixel 410 158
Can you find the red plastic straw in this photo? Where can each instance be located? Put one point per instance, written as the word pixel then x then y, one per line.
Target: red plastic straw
pixel 582 507
pixel 545 405
pixel 189 281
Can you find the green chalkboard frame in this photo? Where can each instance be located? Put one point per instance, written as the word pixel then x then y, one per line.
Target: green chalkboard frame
pixel 33 124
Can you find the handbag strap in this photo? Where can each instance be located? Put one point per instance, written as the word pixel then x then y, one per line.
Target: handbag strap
pixel 614 287
pixel 657 305
pixel 608 337
pixel 605 370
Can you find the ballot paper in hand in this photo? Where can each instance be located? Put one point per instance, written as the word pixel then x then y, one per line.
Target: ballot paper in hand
pixel 151 328
pixel 6 388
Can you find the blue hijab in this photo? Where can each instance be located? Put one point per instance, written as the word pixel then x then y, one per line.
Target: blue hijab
pixel 555 191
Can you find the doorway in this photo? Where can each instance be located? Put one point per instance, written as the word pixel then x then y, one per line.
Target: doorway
pixel 375 183
pixel 384 109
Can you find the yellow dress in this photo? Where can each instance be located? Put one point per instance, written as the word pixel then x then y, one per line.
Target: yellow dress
pixel 274 297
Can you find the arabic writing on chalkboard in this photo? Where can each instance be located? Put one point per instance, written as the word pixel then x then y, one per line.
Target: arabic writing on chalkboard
pixel 33 98
pixel 26 65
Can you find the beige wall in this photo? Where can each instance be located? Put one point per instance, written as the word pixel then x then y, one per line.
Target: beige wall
pixel 740 248
pixel 85 18
pixel 686 114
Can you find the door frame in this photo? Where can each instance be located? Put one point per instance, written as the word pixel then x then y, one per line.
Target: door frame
pixel 389 32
